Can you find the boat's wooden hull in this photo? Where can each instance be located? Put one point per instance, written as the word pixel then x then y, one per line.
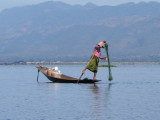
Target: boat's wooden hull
pixel 57 80
pixel 63 78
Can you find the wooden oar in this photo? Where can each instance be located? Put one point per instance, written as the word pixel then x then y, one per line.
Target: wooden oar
pixel 80 78
pixel 109 66
pixel 38 75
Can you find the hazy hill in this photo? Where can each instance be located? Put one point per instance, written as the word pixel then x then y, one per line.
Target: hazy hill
pixel 58 31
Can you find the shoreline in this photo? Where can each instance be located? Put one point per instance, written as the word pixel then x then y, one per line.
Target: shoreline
pixel 78 63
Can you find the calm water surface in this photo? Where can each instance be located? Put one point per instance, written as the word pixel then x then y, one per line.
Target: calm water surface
pixel 134 94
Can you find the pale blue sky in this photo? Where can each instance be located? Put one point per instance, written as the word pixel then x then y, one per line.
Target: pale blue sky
pixel 13 3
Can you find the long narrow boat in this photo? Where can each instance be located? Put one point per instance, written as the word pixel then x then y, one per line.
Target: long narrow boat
pixel 57 77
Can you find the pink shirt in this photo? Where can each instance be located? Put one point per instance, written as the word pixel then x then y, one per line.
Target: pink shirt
pixel 97 51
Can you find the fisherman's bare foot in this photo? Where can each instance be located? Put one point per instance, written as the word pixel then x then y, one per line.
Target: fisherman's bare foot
pixel 94 79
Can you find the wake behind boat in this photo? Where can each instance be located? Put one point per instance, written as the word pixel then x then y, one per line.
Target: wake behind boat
pixel 54 75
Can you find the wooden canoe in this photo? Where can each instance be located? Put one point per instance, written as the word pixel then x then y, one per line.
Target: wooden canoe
pixel 61 78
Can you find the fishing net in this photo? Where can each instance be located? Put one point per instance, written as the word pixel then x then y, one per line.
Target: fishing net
pixel 109 65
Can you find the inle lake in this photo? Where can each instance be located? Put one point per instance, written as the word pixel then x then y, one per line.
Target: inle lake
pixel 134 94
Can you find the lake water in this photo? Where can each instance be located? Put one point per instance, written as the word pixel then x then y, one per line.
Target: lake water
pixel 134 94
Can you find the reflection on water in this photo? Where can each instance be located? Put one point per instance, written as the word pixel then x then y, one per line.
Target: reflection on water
pixel 87 99
pixel 97 90
pixel 100 102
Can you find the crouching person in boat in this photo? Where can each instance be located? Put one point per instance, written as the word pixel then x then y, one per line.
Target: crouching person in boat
pixel 93 63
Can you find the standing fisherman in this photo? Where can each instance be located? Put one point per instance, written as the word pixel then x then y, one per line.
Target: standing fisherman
pixel 93 63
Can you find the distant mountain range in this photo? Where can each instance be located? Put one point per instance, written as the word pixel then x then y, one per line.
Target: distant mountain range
pixel 55 31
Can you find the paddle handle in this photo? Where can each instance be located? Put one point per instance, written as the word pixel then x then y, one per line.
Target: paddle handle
pixel 80 78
